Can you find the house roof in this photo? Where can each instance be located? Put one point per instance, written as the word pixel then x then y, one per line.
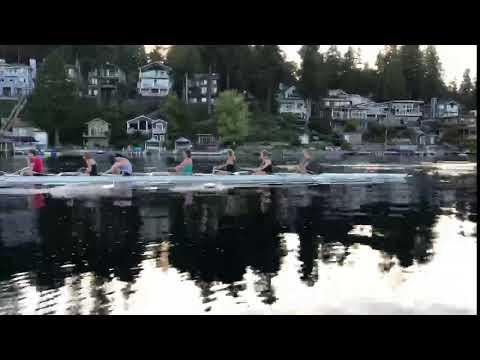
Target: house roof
pixel 182 139
pixel 155 65
pixel 98 119
pixel 148 118
pixel 404 101
pixel 140 117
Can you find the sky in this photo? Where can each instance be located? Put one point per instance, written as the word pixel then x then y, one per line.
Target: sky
pixel 454 58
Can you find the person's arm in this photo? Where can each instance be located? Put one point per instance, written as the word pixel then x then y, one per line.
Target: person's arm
pixel 180 166
pixel 265 165
pixel 88 170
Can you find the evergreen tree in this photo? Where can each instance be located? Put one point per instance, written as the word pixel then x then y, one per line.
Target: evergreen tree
pixel 157 54
pixel 184 59
pixel 433 83
pixel 269 72
pixel 392 79
pixel 333 67
pixel 52 98
pixel 311 84
pixel 466 87
pixel 467 92
pixel 412 66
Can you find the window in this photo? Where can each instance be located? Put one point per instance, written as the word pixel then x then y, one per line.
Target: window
pixel 194 100
pixel 204 99
pixel 214 90
pixel 95 92
pixel 154 91
pixel 204 90
pixel 214 82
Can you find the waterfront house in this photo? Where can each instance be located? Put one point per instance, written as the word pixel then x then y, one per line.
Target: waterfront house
pixel 98 133
pixel 446 111
pixel 403 112
pixel 154 129
pixel 291 102
pixel 141 124
pixel 17 79
pixel 154 80
pixel 103 82
pixel 198 87
pixel 182 144
pixel 206 142
pixel 158 135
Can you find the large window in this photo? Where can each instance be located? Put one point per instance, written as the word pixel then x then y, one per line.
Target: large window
pixel 204 90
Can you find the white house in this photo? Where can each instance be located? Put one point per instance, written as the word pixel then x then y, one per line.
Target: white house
pixel 445 109
pixel 154 79
pixel 17 79
pixel 403 112
pixel 154 129
pixel 98 133
pixel 290 102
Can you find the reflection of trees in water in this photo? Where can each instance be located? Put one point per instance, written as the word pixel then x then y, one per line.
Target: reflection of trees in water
pixel 102 239
pixel 249 239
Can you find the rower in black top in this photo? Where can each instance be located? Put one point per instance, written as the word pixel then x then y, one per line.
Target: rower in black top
pixel 305 166
pixel 91 169
pixel 266 168
pixel 229 166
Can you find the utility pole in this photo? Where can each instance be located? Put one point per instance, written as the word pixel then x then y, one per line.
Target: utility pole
pixel 186 88
pixel 209 91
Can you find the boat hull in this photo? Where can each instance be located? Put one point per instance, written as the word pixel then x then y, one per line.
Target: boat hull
pixel 175 180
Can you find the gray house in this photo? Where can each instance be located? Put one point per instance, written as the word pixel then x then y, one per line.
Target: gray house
pixel 103 82
pixel 17 79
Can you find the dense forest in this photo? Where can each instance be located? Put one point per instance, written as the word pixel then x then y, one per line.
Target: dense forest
pixel 401 72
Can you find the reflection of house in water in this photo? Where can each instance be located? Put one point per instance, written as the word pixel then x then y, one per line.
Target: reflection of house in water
pixel 155 221
pixel 18 223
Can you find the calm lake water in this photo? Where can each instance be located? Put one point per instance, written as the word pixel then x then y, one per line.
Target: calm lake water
pixel 400 248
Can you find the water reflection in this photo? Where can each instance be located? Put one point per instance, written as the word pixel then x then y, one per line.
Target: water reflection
pixel 92 255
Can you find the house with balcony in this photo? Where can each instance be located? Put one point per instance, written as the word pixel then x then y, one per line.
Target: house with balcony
pixel 98 134
pixel 446 111
pixel 154 80
pixel 198 87
pixel 17 80
pixel 155 130
pixel 291 102
pixel 103 82
pixel 403 112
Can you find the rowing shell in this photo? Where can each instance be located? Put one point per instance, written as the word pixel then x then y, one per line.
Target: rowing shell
pixel 204 179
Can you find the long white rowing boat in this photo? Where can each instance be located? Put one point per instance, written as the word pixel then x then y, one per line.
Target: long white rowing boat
pixel 138 180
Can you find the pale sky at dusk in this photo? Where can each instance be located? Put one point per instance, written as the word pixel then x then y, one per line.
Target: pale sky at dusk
pixel 454 58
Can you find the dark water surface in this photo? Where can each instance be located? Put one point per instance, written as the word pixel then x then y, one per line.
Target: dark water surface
pixel 406 248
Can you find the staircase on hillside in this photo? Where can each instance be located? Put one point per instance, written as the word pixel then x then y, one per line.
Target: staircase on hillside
pixel 17 109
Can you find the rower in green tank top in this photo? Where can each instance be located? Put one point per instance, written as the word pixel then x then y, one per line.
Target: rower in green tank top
pixel 186 166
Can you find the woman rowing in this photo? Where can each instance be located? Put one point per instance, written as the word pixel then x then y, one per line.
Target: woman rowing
pixel 229 166
pixel 121 165
pixel 266 167
pixel 91 165
pixel 186 166
pixel 305 166
pixel 35 164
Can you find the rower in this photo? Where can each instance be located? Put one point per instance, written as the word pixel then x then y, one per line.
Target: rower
pixel 91 164
pixel 229 166
pixel 266 168
pixel 35 164
pixel 186 166
pixel 121 165
pixel 305 166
